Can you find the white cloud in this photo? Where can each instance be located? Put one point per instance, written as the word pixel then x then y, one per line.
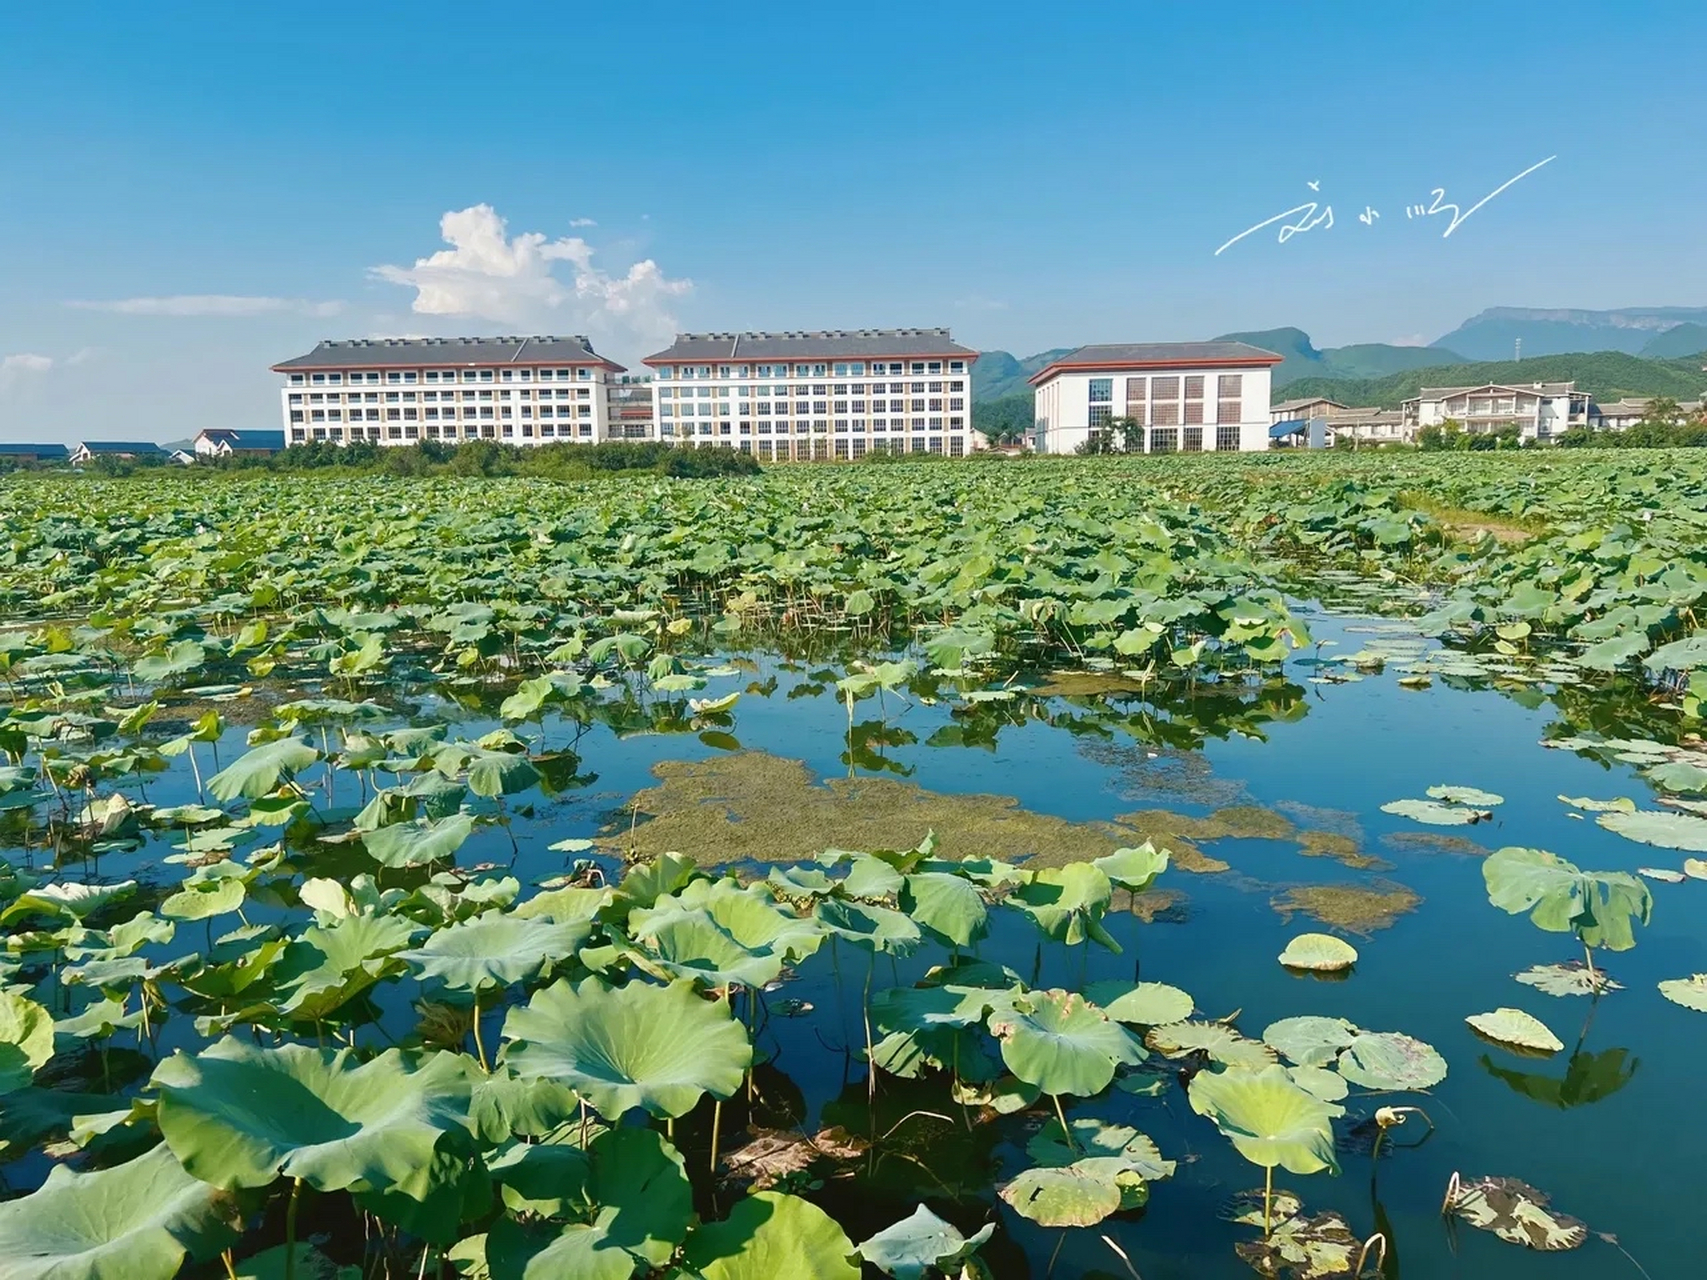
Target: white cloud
pixel 1411 340
pixel 488 274
pixel 977 302
pixel 15 368
pixel 210 304
pixel 582 222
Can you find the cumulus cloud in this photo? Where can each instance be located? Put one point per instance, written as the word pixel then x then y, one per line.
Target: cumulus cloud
pixel 527 280
pixel 16 368
pixel 210 304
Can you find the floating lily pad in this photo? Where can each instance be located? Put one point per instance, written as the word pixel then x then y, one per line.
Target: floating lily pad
pixel 1515 1027
pixel 1391 1060
pixel 1220 1042
pixel 1665 875
pixel 1318 951
pixel 1310 1041
pixel 1620 804
pixel 1303 1248
pixel 912 1248
pixel 1689 992
pixel 1651 826
pixel 1148 1004
pixel 1517 1212
pixel 1572 978
pixel 1466 795
pixel 1695 868
pixel 1436 814
pixel 1248 1208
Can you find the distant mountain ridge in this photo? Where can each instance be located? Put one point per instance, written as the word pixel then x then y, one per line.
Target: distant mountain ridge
pixel 1606 375
pixel 1361 360
pixel 1493 334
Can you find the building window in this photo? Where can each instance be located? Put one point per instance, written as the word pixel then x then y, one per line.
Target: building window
pixel 1135 390
pixel 1226 439
pixel 1229 386
pixel 1102 391
pixel 1194 411
pixel 957 447
pixel 1227 411
pixel 1164 440
pixel 1191 440
pixel 1101 414
pixel 1164 415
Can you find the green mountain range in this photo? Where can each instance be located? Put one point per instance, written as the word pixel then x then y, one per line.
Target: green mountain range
pixel 1493 334
pixel 1362 360
pixel 1607 375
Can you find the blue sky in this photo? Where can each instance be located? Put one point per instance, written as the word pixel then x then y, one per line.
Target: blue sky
pixel 193 191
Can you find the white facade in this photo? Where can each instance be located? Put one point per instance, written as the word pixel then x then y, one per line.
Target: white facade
pixel 395 391
pixel 820 396
pixel 1540 411
pixel 1184 397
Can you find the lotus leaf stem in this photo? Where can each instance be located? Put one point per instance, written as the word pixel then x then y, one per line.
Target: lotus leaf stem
pixel 1377 1242
pixel 1066 1133
pixel 290 1228
pixel 479 1047
pixel 1268 1202
pixel 716 1126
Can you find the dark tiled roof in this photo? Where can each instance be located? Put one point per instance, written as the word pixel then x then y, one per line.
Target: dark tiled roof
pixel 120 446
pixel 246 439
pixel 34 450
pixel 821 344
pixel 388 353
pixel 1164 355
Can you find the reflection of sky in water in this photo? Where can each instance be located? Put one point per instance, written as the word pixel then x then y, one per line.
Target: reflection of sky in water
pixel 1568 1125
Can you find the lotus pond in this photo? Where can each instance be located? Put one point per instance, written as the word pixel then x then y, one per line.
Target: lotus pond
pixel 1101 868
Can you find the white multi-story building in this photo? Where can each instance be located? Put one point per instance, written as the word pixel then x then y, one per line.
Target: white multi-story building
pixel 1182 396
pixel 1540 410
pixel 400 391
pixel 822 395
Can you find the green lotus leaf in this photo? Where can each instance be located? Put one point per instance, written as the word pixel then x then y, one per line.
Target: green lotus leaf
pixel 1599 906
pixel 327 967
pixel 769 1235
pixel 1255 1208
pixel 418 843
pixel 1689 992
pixel 1319 952
pixel 1062 1043
pixel 866 925
pixel 947 905
pixel 1270 1120
pixel 1695 868
pixel 915 1246
pixel 1465 795
pixel 645 1206
pixel 241 1116
pixel 134 1221
pixel 26 1040
pixel 1220 1042
pixel 503 1105
pixel 269 1264
pixel 724 934
pixel 1133 869
pixel 544 1179
pixel 1572 978
pixel 205 899
pixel 1391 1060
pixel 1516 1212
pixel 1074 1196
pixel 1515 1027
pixel 1667 830
pixel 658 1047
pixel 930 1008
pixel 1068 903
pixel 1147 1004
pixel 257 772
pixel 1310 1041
pixel 1093 1137
pixel 1434 813
pixel 1621 804
pixel 76 901
pixel 1329 1086
pixel 494 949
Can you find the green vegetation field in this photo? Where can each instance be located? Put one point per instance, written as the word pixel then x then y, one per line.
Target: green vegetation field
pixel 264 1015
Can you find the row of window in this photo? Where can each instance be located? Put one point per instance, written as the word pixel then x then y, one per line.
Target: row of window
pixel 546 431
pixel 432 397
pixel 1169 414
pixel 817 389
pixel 1228 386
pixel 409 377
pixel 842 369
pixel 482 413
pixel 802 408
pixel 843 426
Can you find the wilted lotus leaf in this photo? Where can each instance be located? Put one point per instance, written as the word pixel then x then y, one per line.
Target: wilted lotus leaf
pixel 1391 1060
pixel 1599 906
pixel 1515 1027
pixel 1270 1120
pixel 1060 1042
pixel 1310 1041
pixel 1092 1137
pixel 1220 1042
pixel 1318 951
pixel 1148 1004
pixel 134 1221
pixel 1465 795
pixel 1303 1248
pixel 774 1154
pixel 1572 978
pixel 769 1235
pixel 1248 1207
pixel 1690 992
pixel 1076 1195
pixel 1515 1211
pixel 915 1246
pixel 1668 830
pixel 662 1048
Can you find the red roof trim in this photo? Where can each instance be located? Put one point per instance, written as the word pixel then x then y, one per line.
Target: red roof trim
pixel 1241 362
pixel 970 357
